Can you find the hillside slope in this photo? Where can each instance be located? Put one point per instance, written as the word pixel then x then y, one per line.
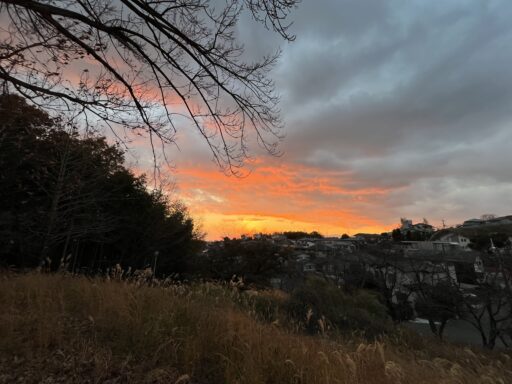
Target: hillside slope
pixel 57 329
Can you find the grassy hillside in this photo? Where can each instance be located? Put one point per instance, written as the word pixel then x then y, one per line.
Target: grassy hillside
pixel 57 329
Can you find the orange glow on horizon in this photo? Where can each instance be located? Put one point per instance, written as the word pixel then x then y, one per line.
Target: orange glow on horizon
pixel 219 225
pixel 275 198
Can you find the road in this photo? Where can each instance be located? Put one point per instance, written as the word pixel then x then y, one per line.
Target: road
pixel 456 331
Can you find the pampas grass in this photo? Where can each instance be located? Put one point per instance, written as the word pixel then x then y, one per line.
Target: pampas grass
pixel 79 330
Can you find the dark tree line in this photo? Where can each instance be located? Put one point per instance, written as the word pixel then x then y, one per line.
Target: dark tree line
pixel 295 235
pixel 68 198
pixel 254 261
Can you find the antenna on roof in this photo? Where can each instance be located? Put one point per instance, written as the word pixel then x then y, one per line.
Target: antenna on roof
pixel 492 248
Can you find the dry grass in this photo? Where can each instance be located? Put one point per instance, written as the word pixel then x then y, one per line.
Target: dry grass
pixel 75 330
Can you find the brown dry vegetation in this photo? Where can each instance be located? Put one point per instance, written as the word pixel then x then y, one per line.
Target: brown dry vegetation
pixel 76 330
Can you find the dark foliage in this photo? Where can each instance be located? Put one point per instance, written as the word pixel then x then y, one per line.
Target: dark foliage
pixel 255 260
pixel 295 235
pixel 319 305
pixel 69 198
pixel 482 242
pixel 396 234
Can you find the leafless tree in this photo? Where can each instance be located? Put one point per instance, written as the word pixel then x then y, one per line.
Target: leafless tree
pixel 488 307
pixel 149 66
pixel 436 293
pixel 387 269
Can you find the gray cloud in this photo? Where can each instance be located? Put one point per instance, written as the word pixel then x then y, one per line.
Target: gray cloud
pixel 413 98
pixel 409 95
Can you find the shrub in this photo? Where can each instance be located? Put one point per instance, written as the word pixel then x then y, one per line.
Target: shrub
pixel 319 305
pixel 266 306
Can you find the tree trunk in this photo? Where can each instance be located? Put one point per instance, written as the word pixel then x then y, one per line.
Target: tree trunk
pixel 441 328
pixel 55 205
pixel 484 338
pixel 433 327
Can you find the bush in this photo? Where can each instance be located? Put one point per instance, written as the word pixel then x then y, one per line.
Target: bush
pixel 319 305
pixel 266 306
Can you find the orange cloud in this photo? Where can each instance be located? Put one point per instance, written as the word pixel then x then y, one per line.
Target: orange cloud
pixel 276 197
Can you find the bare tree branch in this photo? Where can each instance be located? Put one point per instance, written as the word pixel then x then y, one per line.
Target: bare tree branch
pixel 146 64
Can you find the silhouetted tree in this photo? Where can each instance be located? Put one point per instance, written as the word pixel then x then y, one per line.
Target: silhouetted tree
pixel 295 235
pixel 396 234
pixel 254 261
pixel 146 64
pixel 388 278
pixel 66 197
pixel 488 307
pixel 438 303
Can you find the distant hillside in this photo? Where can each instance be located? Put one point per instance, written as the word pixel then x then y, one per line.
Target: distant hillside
pixel 476 231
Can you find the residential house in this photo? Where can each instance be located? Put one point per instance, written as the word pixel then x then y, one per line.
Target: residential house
pixel 452 237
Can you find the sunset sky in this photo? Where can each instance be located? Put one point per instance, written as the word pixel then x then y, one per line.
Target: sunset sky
pixel 392 108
